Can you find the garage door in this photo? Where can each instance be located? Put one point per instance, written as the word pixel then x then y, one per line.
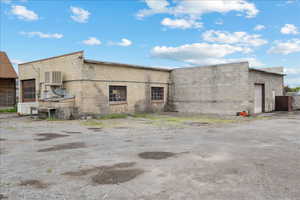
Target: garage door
pixel 258 99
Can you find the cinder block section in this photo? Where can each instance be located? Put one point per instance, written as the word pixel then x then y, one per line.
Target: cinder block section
pixel 214 89
pixel 98 78
pixel 273 86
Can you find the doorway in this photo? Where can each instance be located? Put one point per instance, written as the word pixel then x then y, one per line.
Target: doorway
pixel 259 98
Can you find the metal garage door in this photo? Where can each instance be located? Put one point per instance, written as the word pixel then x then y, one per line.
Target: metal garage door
pixel 258 98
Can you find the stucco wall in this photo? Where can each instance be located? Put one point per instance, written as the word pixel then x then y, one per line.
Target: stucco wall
pixel 271 83
pixel 98 78
pixel 219 89
pixel 70 65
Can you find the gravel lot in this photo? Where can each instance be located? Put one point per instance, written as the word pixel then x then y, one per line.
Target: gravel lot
pixel 156 157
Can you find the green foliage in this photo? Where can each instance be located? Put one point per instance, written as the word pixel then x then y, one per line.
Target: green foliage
pixel 9 110
pixel 288 89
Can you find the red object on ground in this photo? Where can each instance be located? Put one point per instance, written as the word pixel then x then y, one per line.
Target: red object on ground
pixel 244 114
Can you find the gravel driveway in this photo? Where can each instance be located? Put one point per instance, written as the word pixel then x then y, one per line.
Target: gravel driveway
pixel 143 158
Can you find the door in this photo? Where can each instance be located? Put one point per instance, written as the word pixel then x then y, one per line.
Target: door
pixel 258 98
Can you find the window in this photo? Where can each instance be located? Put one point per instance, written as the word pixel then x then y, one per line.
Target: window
pixel 157 93
pixel 28 90
pixel 117 93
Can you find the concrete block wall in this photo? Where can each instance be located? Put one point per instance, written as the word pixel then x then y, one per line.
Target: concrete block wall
pixel 95 89
pixel 212 89
pixel 272 83
pixel 70 65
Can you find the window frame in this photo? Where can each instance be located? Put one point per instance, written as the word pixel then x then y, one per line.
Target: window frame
pixel 33 92
pixel 162 96
pixel 122 101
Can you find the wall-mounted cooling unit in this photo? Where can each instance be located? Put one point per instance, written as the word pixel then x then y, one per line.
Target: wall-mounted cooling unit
pixel 53 78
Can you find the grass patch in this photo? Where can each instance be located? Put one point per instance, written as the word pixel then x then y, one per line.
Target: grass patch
pixel 178 120
pixel 9 110
pixel 92 123
pixel 114 116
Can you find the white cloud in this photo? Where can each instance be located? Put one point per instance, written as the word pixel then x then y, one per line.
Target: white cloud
pixel 240 38
pixel 91 41
pixel 259 27
pixel 80 15
pixel 6 1
pixel 200 53
pixel 285 48
pixel 124 43
pixel 195 9
pixel 292 71
pixel 16 61
pixel 181 23
pixel 23 13
pixel 293 82
pixel 42 35
pixel 219 22
pixel 289 29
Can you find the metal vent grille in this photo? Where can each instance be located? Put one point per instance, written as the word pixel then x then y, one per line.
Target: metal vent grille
pixel 53 78
pixel 56 77
pixel 47 77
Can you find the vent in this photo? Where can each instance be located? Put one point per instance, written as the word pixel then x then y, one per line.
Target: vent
pixel 53 78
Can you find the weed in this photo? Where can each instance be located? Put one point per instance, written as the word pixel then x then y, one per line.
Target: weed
pixel 114 116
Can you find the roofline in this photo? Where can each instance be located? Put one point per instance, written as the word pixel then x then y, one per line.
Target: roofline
pixel 68 54
pixel 126 65
pixel 263 71
pixel 212 65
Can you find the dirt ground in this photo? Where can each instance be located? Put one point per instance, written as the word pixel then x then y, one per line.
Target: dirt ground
pixel 149 157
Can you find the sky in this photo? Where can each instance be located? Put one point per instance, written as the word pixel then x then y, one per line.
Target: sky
pixel 157 33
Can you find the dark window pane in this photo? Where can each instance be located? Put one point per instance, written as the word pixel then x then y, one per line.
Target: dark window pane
pixel 117 93
pixel 157 93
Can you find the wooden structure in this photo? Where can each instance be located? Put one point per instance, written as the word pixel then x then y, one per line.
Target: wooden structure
pixel 8 78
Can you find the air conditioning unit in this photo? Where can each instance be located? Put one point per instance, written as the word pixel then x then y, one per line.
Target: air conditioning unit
pixel 53 78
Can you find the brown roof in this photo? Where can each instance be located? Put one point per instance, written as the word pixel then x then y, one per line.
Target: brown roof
pixel 6 68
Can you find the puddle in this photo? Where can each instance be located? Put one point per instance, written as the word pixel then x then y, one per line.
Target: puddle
pixel 2 196
pixel 127 140
pixel 49 136
pixel 34 183
pixel 84 172
pixel 121 127
pixel 109 174
pixel 2 151
pixel 95 129
pixel 72 132
pixel 2 139
pixel 74 145
pixel 156 155
pixel 116 176
pixel 198 123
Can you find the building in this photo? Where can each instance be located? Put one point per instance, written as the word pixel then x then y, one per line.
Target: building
pixel 226 88
pixel 72 86
pixel 8 78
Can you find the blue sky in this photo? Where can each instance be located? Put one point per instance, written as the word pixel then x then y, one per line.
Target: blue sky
pixel 160 33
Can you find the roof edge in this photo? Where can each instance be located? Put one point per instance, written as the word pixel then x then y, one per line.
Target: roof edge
pixel 267 72
pixel 53 57
pixel 126 65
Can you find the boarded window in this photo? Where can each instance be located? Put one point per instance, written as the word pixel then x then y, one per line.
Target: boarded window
pixel 157 93
pixel 28 90
pixel 117 93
